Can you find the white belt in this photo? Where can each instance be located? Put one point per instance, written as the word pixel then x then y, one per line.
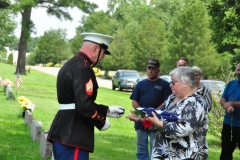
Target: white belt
pixel 67 106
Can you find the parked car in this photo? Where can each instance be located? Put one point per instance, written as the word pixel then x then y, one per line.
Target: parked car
pixel 124 79
pixel 138 80
pixel 216 87
pixel 166 77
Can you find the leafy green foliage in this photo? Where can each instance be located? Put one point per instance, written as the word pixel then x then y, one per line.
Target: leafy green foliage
pixel 30 59
pixel 151 33
pixel 190 38
pixel 225 24
pixel 225 71
pixel 216 116
pixel 7 27
pixel 10 59
pixel 52 47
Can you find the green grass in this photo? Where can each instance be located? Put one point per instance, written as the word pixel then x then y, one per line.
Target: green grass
pixel 116 143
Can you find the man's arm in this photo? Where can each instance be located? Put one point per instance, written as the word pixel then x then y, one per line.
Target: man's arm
pixel 223 102
pixel 135 104
pixel 235 104
pixel 228 106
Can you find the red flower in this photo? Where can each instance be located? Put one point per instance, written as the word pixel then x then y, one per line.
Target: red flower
pixel 147 123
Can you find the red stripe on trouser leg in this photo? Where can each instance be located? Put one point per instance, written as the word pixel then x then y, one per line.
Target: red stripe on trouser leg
pixel 76 153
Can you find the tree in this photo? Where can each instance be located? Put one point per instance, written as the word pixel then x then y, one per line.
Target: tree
pixel 121 49
pixel 10 59
pixel 4 4
pixel 95 22
pixel 52 47
pixel 14 43
pixel 190 38
pixel 149 42
pixel 56 8
pixel 32 43
pixel 225 24
pixel 7 27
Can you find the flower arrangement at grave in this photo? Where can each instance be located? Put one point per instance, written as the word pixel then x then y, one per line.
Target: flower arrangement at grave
pixel 26 104
pixel 7 82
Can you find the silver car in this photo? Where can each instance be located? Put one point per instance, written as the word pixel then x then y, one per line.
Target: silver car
pixel 166 78
pixel 216 87
pixel 124 79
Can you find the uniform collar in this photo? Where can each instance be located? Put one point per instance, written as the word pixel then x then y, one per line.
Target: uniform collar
pixel 84 56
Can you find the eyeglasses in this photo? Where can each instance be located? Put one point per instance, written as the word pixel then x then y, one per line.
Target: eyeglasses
pixel 197 74
pixel 173 82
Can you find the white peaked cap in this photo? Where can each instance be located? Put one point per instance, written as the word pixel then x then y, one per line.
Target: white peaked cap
pixel 97 38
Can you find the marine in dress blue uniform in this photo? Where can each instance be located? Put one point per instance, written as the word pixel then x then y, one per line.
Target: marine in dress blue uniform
pixel 72 130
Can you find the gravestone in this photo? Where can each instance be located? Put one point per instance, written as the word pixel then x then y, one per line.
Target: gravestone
pixel 28 118
pixel 45 146
pixel 36 129
pixel 1 81
pixel 9 92
pixel 6 88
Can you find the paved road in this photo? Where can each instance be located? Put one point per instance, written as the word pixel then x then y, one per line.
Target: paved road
pixel 107 83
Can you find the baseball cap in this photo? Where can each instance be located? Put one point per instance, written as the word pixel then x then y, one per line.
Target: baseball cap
pixel 153 63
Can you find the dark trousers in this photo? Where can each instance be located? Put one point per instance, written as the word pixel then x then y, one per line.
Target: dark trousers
pixel 63 152
pixel 227 144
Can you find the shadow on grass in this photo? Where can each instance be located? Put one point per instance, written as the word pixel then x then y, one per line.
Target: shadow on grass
pixel 107 146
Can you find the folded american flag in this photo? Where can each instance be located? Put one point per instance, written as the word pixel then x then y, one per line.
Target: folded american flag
pixel 160 114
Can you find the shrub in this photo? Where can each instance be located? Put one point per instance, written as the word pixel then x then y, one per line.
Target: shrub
pixel 110 75
pixel 10 59
pixel 216 116
pixel 50 64
pixel 57 65
pixel 99 74
pixel 96 70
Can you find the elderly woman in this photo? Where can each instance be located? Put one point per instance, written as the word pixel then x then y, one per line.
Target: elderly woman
pixel 186 137
pixel 201 89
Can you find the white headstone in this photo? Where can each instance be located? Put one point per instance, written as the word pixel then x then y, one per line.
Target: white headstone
pixel 28 118
pixel 45 146
pixel 1 81
pixel 36 129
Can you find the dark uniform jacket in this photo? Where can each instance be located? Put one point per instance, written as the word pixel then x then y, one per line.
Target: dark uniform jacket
pixel 76 83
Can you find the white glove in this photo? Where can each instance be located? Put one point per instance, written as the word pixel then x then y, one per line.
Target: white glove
pixel 115 111
pixel 106 125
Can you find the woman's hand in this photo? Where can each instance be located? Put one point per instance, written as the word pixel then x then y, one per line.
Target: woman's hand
pixel 155 120
pixel 133 117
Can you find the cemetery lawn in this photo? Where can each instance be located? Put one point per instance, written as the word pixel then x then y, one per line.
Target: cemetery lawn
pixel 116 143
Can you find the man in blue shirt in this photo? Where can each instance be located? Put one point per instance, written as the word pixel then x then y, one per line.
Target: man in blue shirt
pixel 231 124
pixel 149 93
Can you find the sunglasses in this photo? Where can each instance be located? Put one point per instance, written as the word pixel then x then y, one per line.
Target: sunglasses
pixel 173 82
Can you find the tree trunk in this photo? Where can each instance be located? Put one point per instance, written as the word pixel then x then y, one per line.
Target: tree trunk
pixel 24 37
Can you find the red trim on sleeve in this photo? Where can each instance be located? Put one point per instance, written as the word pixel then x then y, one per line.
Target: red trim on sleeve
pixel 76 152
pixel 95 114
